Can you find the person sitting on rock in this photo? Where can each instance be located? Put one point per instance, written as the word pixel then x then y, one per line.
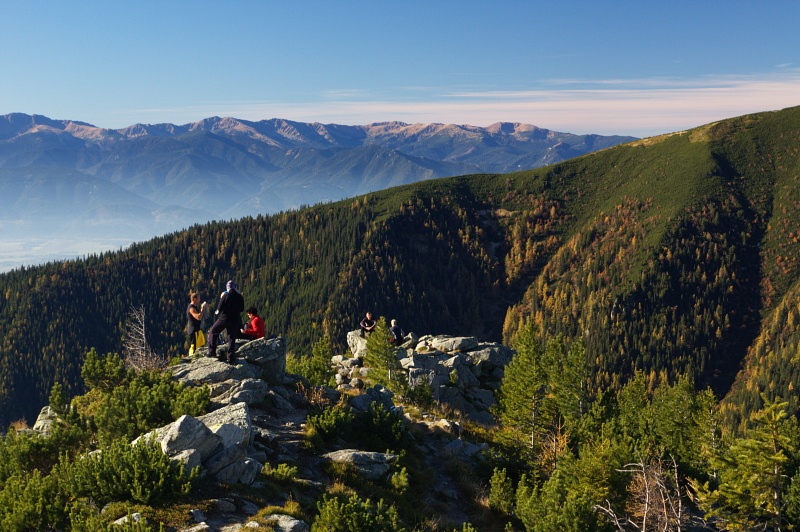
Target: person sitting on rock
pixel 398 336
pixel 254 329
pixel 367 324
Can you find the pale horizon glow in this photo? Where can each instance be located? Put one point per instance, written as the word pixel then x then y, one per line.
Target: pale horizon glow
pixel 579 111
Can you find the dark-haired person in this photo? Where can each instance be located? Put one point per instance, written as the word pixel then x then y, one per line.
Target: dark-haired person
pixel 367 324
pixel 229 319
pixel 255 327
pixel 194 318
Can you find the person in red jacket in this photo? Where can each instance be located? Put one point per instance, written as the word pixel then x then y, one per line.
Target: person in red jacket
pixel 255 328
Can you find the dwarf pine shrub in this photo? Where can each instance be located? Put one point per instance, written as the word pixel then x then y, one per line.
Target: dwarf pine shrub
pixel 356 515
pixel 32 502
pixel 124 472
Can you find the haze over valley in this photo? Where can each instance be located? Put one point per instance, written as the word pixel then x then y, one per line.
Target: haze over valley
pixel 72 188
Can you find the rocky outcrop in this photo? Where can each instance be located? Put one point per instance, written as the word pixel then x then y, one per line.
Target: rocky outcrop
pixel 221 442
pixel 258 417
pixel 462 372
pixel 45 421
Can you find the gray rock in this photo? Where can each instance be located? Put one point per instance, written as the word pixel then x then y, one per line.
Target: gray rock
pixel 190 459
pixel 189 433
pixel 210 370
pixel 224 458
pixel 250 391
pixel 197 515
pixel 369 464
pixel 357 344
pixel 455 360
pixel 495 355
pixel 465 378
pixel 44 422
pixel 375 394
pixel 426 361
pixel 248 508
pixel 287 523
pixel 279 401
pixel 351 362
pixel 231 423
pixel 453 343
pixel 200 527
pixel 226 506
pixel 269 355
pixel 242 472
pixel 481 398
pixel 420 377
pixel 135 517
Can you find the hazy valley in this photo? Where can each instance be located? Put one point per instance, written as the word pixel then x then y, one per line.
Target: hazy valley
pixel 69 182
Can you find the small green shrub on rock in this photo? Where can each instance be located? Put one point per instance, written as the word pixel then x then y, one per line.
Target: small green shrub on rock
pixel 124 472
pixel 355 515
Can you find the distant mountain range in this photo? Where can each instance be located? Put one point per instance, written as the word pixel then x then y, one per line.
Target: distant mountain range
pixel 70 179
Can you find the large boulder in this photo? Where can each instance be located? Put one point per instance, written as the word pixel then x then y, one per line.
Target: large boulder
pixel 242 471
pixel 287 523
pixel 267 354
pixel 206 370
pixel 232 424
pixel 189 433
pixel 491 355
pixel 357 344
pixel 371 465
pixel 47 416
pixel 451 343
pixel 250 391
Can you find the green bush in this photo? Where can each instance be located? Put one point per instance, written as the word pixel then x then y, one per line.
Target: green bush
pixel 32 502
pixel 501 492
pixel 282 473
pixel 399 481
pixel 355 515
pixel 84 518
pixel 143 402
pixel 103 372
pixel 315 368
pixel 331 423
pixel 379 429
pixel 124 472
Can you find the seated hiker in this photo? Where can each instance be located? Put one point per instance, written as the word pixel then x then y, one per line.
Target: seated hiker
pixel 254 329
pixel 367 324
pixel 398 336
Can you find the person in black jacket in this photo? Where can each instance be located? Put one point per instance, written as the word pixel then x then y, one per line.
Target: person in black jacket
pixel 229 318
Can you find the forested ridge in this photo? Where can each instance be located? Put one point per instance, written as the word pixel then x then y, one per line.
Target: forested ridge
pixel 676 255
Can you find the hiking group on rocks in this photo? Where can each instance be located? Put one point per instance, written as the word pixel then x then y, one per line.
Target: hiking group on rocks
pixel 228 319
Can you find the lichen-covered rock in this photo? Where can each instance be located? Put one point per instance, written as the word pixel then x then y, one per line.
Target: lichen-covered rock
pixel 369 464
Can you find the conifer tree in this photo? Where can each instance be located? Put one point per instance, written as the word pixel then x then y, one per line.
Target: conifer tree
pixel 753 477
pixel 381 359
pixel 522 403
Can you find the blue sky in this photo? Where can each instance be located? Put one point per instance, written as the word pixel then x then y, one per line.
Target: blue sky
pixel 635 68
